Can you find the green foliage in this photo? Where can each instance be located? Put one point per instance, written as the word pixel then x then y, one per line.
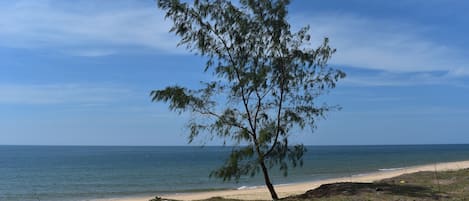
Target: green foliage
pixel 267 79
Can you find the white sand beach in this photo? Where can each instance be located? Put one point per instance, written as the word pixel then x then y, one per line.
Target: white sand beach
pixel 261 193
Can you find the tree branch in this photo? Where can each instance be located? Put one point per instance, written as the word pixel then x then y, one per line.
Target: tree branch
pixel 233 63
pixel 279 112
pixel 234 124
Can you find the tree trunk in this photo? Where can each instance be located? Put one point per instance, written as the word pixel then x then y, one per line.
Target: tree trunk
pixel 267 181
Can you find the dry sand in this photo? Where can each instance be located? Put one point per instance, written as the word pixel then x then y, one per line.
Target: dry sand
pixel 261 193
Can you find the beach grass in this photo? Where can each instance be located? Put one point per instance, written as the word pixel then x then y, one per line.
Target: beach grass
pixel 425 185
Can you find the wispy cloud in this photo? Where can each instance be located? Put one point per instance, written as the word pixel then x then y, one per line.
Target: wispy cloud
pixel 402 79
pixel 92 52
pixel 387 45
pixel 93 28
pixel 78 94
pixel 101 28
pixel 412 111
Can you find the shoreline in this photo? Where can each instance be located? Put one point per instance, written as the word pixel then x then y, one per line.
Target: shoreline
pixel 284 190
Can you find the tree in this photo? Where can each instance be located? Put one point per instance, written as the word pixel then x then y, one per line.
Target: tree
pixel 267 79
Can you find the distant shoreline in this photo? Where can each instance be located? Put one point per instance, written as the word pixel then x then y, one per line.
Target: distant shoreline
pixel 138 173
pixel 261 193
pixel 191 145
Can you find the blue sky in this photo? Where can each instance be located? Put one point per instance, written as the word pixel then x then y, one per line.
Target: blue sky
pixel 80 72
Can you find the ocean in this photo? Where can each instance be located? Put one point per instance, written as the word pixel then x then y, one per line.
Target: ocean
pixel 77 173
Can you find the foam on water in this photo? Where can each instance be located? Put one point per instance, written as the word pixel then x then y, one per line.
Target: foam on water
pixel 247 187
pixel 390 169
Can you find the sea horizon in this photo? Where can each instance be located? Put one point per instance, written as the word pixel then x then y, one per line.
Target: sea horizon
pixel 77 173
pixel 190 145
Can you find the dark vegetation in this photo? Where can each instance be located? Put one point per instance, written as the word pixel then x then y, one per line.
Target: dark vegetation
pixel 449 185
pixel 421 186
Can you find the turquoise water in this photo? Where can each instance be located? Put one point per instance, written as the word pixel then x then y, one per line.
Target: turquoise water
pixel 73 173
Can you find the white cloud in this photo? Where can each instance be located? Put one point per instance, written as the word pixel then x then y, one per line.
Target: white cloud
pixel 92 52
pixel 404 79
pixel 100 28
pixel 392 46
pixel 458 72
pixel 86 28
pixel 81 94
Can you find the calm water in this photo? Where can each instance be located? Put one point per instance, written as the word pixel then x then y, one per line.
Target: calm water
pixel 69 173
